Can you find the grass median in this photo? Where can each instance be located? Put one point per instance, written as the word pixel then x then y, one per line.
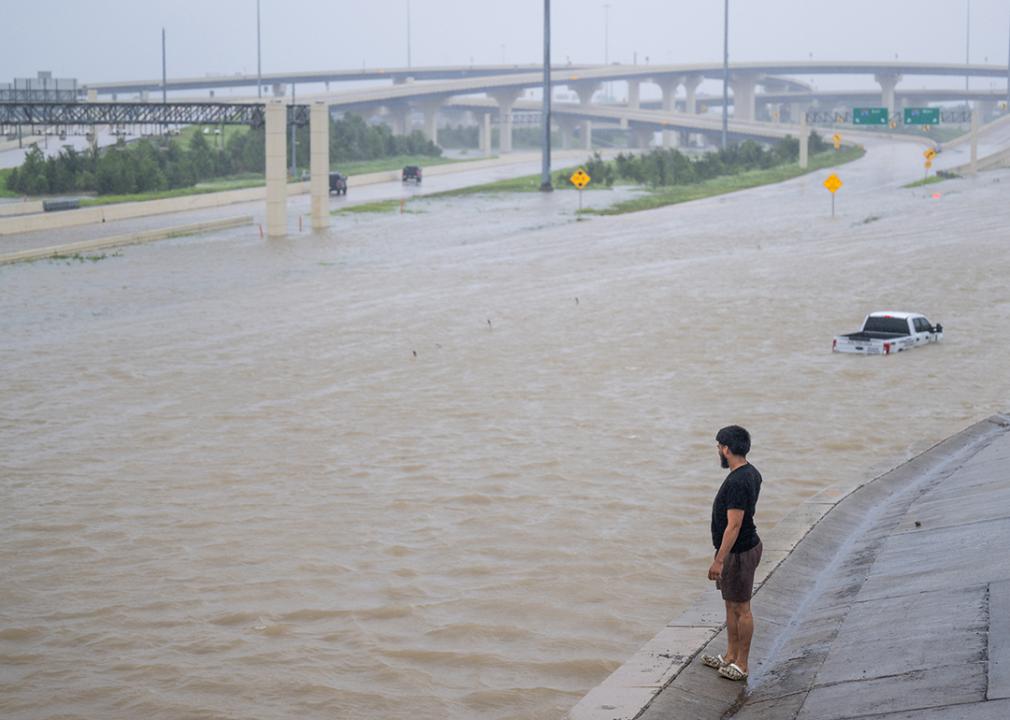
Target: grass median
pixel 672 195
pixel 931 180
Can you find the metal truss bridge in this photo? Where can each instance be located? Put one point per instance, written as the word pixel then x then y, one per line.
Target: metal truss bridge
pixel 72 115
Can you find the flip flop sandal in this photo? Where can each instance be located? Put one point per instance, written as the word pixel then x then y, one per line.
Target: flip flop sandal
pixel 732 672
pixel 713 661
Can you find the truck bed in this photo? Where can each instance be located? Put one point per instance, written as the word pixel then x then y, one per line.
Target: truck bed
pixel 864 336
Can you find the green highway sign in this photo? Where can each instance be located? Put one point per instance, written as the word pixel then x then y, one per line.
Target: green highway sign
pixel 922 116
pixel 869 116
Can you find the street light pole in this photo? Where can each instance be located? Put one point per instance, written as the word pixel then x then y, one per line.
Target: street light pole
pixel 967 47
pixel 408 34
pixel 725 72
pixel 259 66
pixel 606 41
pixel 545 115
pixel 164 70
pixel 606 33
pixel 294 139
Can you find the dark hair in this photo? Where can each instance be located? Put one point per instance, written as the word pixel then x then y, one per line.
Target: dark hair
pixel 735 438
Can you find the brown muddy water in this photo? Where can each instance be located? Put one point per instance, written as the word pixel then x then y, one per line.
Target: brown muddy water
pixel 231 489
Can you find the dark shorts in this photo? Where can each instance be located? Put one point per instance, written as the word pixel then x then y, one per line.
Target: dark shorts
pixel 737 580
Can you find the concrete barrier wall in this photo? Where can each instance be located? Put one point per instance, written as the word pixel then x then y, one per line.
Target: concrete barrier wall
pixel 994 161
pixel 128 210
pixel 125 239
pixel 25 207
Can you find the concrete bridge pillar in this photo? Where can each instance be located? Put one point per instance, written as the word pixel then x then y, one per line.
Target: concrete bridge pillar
pixel 641 137
pixel 888 81
pixel 319 164
pixel 668 85
pixel 671 138
pixel 92 95
pixel 797 110
pixel 567 126
pixel 585 91
pixel 505 99
pixel 587 133
pixel 430 109
pixel 484 134
pixel 986 110
pixel 398 115
pixel 691 83
pixel 276 168
pixel 743 86
pixel 634 94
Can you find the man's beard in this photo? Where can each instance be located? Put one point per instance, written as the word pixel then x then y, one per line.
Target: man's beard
pixel 723 461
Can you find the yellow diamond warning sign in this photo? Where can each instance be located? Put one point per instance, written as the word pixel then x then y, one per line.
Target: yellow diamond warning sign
pixel 833 183
pixel 580 178
pixel 929 154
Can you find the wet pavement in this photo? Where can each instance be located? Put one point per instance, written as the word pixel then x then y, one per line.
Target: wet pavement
pixel 895 606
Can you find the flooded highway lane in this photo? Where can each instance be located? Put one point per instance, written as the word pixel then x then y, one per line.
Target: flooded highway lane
pixel 454 463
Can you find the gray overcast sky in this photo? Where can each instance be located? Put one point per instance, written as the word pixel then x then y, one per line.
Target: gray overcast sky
pixel 120 39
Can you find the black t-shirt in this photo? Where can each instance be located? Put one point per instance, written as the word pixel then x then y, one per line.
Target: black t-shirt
pixel 739 491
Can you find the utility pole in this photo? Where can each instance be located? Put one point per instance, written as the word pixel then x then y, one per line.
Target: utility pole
pixel 164 70
pixel 259 65
pixel 545 115
pixel 1008 79
pixel 408 34
pixel 725 72
pixel 606 33
pixel 967 47
pixel 294 140
pixel 606 41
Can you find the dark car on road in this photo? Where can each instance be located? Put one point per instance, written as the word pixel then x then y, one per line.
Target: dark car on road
pixel 412 172
pixel 338 183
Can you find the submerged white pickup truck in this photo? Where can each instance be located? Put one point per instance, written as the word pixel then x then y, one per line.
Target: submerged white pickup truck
pixel 888 332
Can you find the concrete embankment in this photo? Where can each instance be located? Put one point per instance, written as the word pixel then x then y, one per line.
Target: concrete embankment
pixel 124 239
pixel 894 605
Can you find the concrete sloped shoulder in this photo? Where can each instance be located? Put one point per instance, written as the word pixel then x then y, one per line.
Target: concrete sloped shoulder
pixel 895 604
pixel 886 608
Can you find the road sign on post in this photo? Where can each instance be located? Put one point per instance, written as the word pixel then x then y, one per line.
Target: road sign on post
pixel 580 178
pixel 837 140
pixel 922 116
pixel 833 183
pixel 869 116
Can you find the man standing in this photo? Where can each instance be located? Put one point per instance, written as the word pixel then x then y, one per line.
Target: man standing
pixel 738 549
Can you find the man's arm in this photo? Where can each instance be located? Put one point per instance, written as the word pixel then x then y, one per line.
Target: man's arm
pixel 734 520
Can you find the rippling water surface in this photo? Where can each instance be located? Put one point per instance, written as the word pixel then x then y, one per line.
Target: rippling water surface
pixel 456 464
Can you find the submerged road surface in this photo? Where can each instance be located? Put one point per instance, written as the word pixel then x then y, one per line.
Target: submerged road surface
pixel 456 463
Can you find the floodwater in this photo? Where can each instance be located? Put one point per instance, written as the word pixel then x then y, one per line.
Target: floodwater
pixel 455 463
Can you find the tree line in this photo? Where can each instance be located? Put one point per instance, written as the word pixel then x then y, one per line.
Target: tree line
pixel 165 163
pixel 662 167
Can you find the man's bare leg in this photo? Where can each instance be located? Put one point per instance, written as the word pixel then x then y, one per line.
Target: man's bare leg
pixel 743 631
pixel 732 633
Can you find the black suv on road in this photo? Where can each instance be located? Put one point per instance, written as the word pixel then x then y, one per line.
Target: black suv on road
pixel 338 183
pixel 412 172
